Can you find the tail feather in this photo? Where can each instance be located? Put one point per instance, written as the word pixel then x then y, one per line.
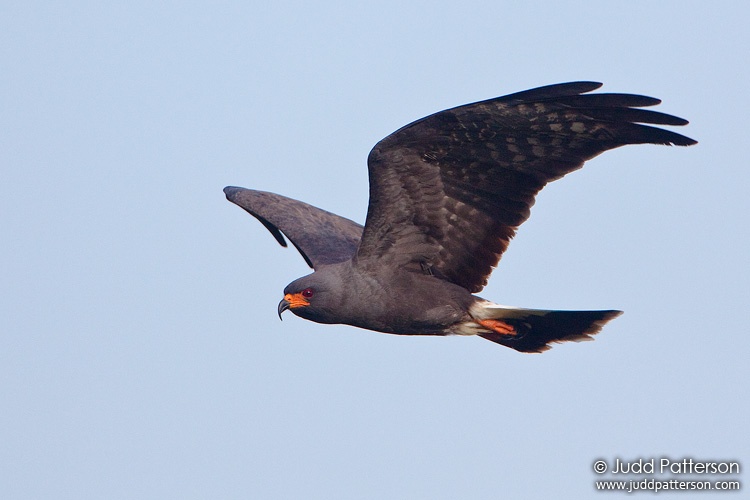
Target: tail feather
pixel 536 329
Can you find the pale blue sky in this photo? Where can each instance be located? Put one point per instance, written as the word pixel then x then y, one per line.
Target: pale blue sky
pixel 141 355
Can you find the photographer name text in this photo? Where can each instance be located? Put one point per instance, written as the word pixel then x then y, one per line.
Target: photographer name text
pixel 667 465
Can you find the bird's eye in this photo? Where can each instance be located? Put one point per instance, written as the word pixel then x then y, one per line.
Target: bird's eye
pixel 307 293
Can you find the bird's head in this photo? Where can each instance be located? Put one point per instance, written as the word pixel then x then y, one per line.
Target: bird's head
pixel 311 297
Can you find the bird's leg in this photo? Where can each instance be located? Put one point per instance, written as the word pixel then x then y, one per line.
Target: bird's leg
pixel 426 268
pixel 498 326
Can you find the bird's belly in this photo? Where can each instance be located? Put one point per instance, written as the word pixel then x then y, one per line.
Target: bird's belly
pixel 437 320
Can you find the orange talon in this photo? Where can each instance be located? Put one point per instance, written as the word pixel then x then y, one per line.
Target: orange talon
pixel 498 326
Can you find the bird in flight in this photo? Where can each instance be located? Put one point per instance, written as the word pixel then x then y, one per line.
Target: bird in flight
pixel 447 194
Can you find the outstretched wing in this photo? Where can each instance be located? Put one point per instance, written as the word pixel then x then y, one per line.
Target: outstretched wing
pixel 321 237
pixel 448 192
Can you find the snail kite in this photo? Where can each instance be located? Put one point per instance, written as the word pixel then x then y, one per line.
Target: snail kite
pixel 447 194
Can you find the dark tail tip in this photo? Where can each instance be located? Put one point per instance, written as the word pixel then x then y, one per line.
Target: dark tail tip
pixel 535 333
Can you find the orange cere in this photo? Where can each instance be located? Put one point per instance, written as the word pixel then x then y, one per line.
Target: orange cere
pixel 296 300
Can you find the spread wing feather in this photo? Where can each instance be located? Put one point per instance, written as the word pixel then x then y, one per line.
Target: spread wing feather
pixel 448 191
pixel 321 237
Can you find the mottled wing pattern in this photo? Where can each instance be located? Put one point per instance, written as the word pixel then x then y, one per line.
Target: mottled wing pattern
pixel 448 192
pixel 321 237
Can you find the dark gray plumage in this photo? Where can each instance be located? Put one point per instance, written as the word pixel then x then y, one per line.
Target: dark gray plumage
pixel 447 194
pixel 321 237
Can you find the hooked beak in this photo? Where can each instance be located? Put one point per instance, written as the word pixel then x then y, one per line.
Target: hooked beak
pixel 292 301
pixel 283 306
